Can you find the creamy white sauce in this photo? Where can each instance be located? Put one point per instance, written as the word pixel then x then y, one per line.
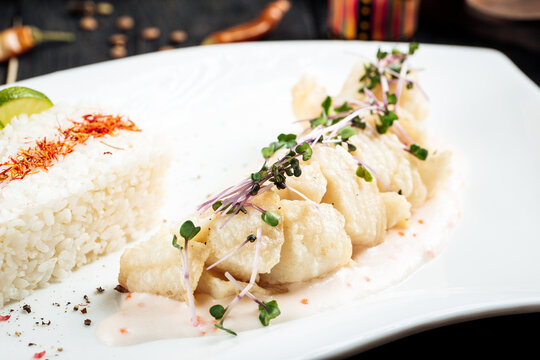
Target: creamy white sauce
pixel 146 317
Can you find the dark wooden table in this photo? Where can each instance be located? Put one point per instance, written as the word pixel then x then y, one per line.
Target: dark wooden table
pixel 442 22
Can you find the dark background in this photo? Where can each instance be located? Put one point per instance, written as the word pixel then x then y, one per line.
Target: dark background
pixel 440 22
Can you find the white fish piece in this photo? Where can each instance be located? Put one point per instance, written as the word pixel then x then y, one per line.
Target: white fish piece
pixel 218 287
pixel 357 200
pixel 311 184
pixel 396 167
pixel 307 98
pixel 221 240
pixel 154 266
pixel 315 243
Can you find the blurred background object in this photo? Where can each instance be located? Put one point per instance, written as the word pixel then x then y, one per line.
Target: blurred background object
pixel 393 20
pixel 118 28
pixel 508 9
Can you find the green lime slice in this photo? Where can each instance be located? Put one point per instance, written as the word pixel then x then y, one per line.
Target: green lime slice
pixel 18 100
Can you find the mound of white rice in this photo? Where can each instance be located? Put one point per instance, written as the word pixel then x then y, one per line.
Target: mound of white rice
pixel 94 200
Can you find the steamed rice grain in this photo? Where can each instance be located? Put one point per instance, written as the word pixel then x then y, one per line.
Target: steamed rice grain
pixel 92 202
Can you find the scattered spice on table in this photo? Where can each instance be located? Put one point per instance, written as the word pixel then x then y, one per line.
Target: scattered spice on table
pixel 125 22
pixel 178 36
pixel 118 51
pixel 104 8
pixel 118 39
pixel 27 308
pixel 85 297
pixel 150 33
pixel 166 48
pixel 39 355
pixel 84 311
pixel 88 23
pixel 87 322
pixel 100 290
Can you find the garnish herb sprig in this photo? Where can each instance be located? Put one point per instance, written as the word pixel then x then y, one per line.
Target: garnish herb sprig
pixel 268 310
pixel 188 231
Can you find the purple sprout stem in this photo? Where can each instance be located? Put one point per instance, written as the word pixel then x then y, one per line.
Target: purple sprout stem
pixel 185 264
pixel 228 255
pixel 313 203
pixel 239 287
pixel 253 274
pixel 399 86
pixel 256 207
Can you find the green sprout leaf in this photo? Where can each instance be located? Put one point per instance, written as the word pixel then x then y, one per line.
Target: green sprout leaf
pixel 256 176
pixel 387 120
pixel 413 47
pixel 358 122
pixel 418 151
pixel 188 230
pixel 271 218
pixel 219 326
pixel 305 150
pixel 288 140
pixel 267 152
pixel 251 238
pixel 351 147
pixel 363 173
pixel 271 311
pixel 343 108
pixel 391 98
pixel 326 105
pixel 346 133
pixel 410 85
pixel 381 54
pixel 321 120
pixel 175 242
pixel 217 311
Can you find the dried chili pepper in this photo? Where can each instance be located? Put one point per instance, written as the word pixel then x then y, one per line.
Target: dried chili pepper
pixel 267 21
pixel 19 39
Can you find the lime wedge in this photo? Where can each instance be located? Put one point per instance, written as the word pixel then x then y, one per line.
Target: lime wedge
pixel 18 100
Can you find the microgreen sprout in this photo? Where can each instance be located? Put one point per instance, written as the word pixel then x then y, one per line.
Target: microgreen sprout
pixel 188 231
pixel 343 108
pixel 271 218
pixel 418 151
pixel 220 326
pixel 363 173
pixel 269 311
pixel 217 311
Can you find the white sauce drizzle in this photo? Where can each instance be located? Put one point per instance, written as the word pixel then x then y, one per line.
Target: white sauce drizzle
pixel 146 317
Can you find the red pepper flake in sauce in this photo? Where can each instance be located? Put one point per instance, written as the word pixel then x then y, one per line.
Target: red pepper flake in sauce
pixel 304 301
pixel 4 317
pixel 420 221
pixel 128 296
pixel 367 278
pixel 39 355
pixel 414 234
pixel 401 233
pixel 430 254
pixel 45 153
pixel 123 331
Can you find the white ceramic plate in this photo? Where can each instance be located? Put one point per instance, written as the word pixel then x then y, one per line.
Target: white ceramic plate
pixel 220 104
